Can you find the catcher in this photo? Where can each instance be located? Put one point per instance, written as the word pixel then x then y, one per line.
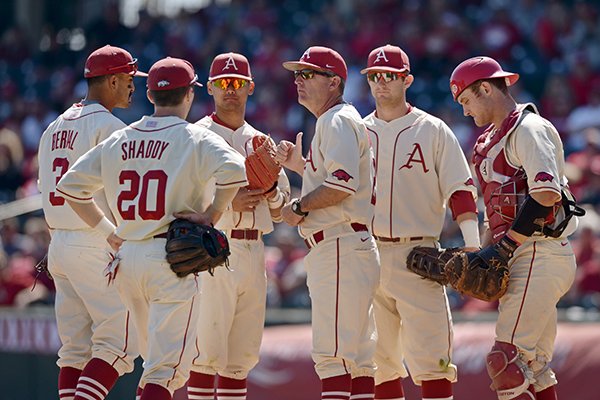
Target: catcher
pixel 520 166
pixel 233 302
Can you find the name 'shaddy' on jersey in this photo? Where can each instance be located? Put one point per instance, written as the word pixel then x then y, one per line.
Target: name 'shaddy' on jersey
pixel 143 149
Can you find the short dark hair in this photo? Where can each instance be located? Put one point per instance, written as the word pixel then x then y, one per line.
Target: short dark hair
pixel 96 80
pixel 167 98
pixel 499 83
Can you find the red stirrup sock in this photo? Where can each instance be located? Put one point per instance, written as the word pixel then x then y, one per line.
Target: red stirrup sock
pixel 437 389
pixel 201 386
pixel 363 387
pixel 96 380
pixel 153 391
pixel 390 390
pixel 231 389
pixel 67 382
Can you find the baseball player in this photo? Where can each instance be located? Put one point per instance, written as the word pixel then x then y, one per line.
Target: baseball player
pixel 332 215
pixel 519 163
pixel 414 151
pixel 98 341
pixel 233 302
pixel 153 171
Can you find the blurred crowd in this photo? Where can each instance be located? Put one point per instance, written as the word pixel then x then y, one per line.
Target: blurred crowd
pixel 554 45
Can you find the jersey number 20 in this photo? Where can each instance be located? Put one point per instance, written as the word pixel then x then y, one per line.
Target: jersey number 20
pixel 139 187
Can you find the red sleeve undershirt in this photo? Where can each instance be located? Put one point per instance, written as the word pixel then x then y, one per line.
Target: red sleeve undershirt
pixel 461 202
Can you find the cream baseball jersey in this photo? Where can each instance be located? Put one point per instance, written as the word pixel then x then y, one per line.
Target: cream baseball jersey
pixel 425 165
pixel 527 142
pixel 71 135
pixel 241 140
pixel 151 169
pixel 340 157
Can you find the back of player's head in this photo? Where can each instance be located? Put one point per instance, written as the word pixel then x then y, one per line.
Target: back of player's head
pixel 169 80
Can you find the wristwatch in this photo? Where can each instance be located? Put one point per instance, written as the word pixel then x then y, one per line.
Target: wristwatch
pixel 297 210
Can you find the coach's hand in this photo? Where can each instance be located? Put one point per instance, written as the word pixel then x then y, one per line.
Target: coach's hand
pixel 290 155
pixel 290 217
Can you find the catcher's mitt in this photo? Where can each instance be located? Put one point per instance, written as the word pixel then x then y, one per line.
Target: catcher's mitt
pixel 483 274
pixel 193 248
pixel 429 262
pixel 262 170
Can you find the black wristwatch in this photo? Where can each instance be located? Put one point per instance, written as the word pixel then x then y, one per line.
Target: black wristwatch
pixel 297 210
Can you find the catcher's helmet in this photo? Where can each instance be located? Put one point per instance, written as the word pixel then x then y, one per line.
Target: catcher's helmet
pixel 476 68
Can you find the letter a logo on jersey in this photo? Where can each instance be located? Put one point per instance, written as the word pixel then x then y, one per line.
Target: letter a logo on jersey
pixel 381 56
pixel 415 156
pixel 230 63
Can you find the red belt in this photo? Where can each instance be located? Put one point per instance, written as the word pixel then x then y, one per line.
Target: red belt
pixel 245 234
pixel 319 236
pixel 399 239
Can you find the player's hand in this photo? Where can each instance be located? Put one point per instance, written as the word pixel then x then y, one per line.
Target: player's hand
pixel 290 217
pixel 208 217
pixel 290 155
pixel 470 249
pixel 114 241
pixel 246 200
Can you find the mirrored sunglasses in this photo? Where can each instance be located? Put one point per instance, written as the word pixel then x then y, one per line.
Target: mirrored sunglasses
pixel 310 73
pixel 385 76
pixel 223 83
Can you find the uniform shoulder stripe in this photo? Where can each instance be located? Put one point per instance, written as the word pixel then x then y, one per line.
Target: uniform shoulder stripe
pixel 86 115
pixel 158 129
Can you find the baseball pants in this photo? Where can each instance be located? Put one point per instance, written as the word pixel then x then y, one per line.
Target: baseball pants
pixel 414 324
pixel 541 272
pixel 232 313
pixel 91 318
pixel 164 308
pixel 342 275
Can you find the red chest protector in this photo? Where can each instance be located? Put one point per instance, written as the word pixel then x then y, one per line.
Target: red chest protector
pixel 503 186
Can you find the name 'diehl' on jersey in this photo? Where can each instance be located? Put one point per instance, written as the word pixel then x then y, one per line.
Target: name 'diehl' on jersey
pixel 143 149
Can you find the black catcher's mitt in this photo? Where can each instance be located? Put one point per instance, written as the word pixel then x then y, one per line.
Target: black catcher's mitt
pixel 483 274
pixel 429 262
pixel 193 248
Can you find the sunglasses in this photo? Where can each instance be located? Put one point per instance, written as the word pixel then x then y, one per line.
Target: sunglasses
pixel 385 76
pixel 223 83
pixel 310 73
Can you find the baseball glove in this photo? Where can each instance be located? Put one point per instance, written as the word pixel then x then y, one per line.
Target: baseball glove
pixel 262 170
pixel 483 274
pixel 429 262
pixel 193 248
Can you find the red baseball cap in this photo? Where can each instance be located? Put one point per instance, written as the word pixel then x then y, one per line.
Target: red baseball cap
pixel 387 58
pixel 230 65
pixel 171 73
pixel 321 59
pixel 110 60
